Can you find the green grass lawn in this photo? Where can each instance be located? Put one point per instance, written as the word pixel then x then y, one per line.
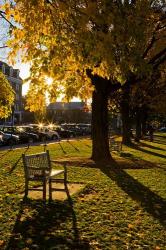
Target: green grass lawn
pixel 121 206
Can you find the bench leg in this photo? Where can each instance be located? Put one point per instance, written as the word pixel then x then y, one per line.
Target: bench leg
pixel 26 188
pixel 50 189
pixel 44 189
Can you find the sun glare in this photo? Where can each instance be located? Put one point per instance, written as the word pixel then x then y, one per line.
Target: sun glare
pixel 49 80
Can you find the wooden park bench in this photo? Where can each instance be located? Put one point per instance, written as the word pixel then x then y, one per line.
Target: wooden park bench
pixel 38 168
pixel 115 145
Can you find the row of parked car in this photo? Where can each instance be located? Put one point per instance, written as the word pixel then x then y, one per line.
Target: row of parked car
pixel 10 135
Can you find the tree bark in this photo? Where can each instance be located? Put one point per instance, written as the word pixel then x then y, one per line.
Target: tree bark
pixel 144 120
pixel 100 140
pixel 125 111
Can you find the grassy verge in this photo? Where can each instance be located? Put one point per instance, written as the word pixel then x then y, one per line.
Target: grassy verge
pixel 121 206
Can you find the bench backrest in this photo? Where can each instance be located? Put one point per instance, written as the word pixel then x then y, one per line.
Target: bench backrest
pixel 36 164
pixel 115 145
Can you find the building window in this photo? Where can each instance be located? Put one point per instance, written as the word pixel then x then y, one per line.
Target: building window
pixel 7 71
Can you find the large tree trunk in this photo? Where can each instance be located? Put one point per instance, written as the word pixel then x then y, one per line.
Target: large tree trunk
pixel 144 120
pixel 138 124
pixel 141 118
pixel 125 111
pixel 100 140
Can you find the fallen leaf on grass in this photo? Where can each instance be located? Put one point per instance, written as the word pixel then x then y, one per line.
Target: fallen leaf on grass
pixel 130 226
pixel 1 242
pixel 29 241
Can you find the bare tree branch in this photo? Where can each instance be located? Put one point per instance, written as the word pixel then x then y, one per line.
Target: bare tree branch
pixel 157 57
pixel 2 15
pixel 3 47
pixel 152 40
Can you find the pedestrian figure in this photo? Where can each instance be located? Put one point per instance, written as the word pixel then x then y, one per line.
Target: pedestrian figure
pixel 151 130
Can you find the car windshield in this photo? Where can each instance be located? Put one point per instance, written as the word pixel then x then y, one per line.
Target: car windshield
pixel 20 129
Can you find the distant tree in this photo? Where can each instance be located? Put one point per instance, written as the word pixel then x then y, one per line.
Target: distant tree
pixel 6 97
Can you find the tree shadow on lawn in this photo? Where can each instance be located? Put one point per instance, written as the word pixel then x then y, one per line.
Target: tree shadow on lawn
pixel 6 152
pixel 62 148
pixel 137 147
pixel 156 139
pixel 151 202
pixel 135 163
pixel 77 149
pixel 160 136
pixel 44 226
pixel 124 161
pixel 16 163
pixel 159 140
pixel 143 144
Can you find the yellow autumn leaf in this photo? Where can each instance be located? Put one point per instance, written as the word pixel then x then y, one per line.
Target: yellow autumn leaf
pixel 130 226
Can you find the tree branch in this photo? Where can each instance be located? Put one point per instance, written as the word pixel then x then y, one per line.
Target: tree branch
pixel 159 62
pixel 2 15
pixel 2 47
pixel 152 41
pixel 157 56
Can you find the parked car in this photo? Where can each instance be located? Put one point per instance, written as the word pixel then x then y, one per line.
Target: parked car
pixel 34 128
pixel 64 133
pixel 8 139
pixel 85 128
pixel 44 132
pixel 73 127
pixel 24 137
pixel 1 138
pixel 27 136
pixel 163 129
pixel 51 134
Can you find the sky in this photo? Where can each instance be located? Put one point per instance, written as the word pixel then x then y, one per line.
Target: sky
pixel 24 73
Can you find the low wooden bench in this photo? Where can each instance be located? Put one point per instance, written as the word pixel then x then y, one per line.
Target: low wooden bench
pixel 115 145
pixel 38 168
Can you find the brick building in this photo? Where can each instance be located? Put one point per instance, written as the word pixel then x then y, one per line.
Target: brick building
pixel 14 79
pixel 68 112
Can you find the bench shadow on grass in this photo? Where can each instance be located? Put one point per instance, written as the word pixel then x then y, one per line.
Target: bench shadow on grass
pixel 151 202
pixel 50 226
